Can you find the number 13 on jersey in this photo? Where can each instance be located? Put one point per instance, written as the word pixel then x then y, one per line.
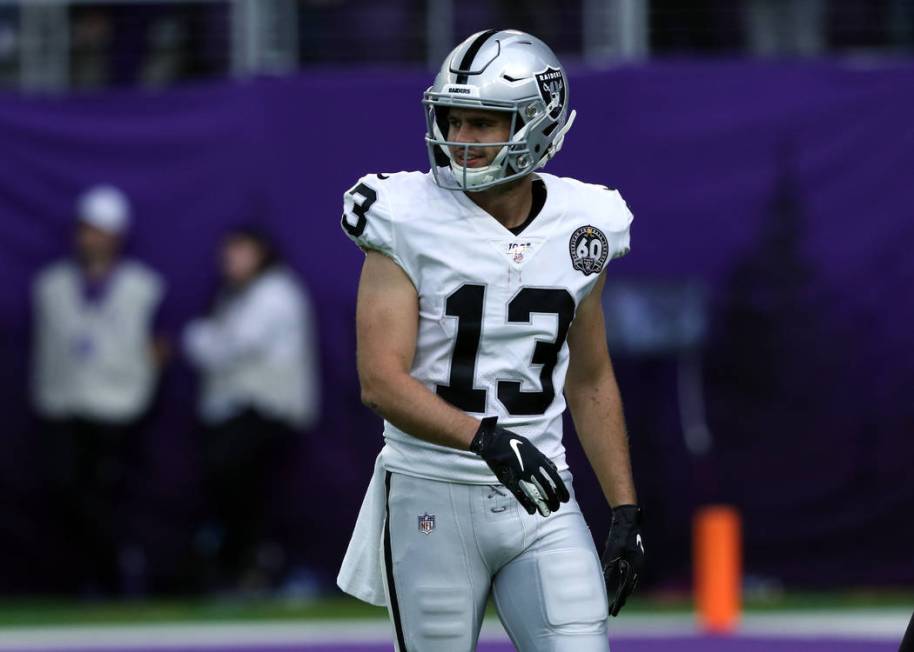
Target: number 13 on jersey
pixel 466 304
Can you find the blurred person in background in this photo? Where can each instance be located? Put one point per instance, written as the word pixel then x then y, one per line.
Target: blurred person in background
pixel 95 367
pixel 154 44
pixel 9 44
pixel 901 27
pixel 256 354
pixel 785 28
pixel 168 53
pixel 92 40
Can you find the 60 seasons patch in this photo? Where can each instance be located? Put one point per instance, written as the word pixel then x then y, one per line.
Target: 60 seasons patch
pixel 589 250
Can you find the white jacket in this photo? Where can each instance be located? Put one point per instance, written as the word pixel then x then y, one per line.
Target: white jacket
pixel 93 358
pixel 258 351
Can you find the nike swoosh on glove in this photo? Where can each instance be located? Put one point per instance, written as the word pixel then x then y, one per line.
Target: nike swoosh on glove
pixel 623 557
pixel 521 467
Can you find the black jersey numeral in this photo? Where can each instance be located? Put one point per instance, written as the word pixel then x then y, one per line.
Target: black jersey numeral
pixel 545 353
pixel 467 303
pixel 369 196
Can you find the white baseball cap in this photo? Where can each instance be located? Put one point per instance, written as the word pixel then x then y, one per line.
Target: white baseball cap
pixel 104 207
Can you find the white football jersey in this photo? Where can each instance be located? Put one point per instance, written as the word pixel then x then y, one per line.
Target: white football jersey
pixel 494 307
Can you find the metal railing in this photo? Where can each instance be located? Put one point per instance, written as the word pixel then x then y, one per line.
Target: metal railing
pixel 46 45
pixel 263 36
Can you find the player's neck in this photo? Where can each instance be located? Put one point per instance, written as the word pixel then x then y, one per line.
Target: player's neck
pixel 509 203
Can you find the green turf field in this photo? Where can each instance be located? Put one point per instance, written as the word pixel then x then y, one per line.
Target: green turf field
pixel 48 611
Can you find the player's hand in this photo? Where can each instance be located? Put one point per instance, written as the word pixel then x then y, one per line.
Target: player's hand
pixel 623 556
pixel 521 467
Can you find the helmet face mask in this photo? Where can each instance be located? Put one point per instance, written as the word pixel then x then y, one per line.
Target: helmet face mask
pixel 506 71
pixel 512 160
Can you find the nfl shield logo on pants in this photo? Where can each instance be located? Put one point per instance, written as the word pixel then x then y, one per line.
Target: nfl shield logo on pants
pixel 426 523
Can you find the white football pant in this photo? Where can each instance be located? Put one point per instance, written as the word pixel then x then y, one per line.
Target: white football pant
pixel 447 546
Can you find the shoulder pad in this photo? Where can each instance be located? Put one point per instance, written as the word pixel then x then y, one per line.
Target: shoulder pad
pixel 370 217
pixel 609 213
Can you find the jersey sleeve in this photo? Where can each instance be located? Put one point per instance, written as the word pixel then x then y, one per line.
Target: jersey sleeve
pixel 369 221
pixel 619 221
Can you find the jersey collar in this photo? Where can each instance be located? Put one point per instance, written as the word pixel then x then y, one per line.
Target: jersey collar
pixel 546 220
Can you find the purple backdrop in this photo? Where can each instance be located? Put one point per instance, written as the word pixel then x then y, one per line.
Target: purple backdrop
pixel 785 188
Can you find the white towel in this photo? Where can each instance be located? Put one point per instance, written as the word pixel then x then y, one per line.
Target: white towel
pixel 362 571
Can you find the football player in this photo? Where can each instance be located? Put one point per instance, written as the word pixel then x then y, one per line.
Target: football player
pixel 478 317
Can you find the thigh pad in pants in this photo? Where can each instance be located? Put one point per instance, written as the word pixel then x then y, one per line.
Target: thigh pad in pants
pixel 572 586
pixel 442 620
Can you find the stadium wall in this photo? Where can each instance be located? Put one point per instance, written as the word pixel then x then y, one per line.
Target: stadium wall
pixel 784 188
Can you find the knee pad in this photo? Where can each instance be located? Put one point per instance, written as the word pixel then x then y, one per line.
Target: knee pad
pixel 443 619
pixel 574 595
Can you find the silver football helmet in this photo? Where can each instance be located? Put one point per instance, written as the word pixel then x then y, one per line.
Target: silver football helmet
pixel 499 70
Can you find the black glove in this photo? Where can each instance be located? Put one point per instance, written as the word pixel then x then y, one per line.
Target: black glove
pixel 623 556
pixel 521 467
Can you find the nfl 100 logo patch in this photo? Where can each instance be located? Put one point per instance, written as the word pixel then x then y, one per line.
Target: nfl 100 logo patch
pixel 517 250
pixel 426 523
pixel 589 250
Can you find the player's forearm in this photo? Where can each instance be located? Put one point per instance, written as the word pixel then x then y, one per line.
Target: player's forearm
pixel 596 408
pixel 411 407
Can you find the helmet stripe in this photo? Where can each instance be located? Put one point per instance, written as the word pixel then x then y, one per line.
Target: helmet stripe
pixel 467 61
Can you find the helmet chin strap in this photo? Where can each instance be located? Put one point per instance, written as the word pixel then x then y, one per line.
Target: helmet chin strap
pixel 559 139
pixel 478 176
pixel 470 178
